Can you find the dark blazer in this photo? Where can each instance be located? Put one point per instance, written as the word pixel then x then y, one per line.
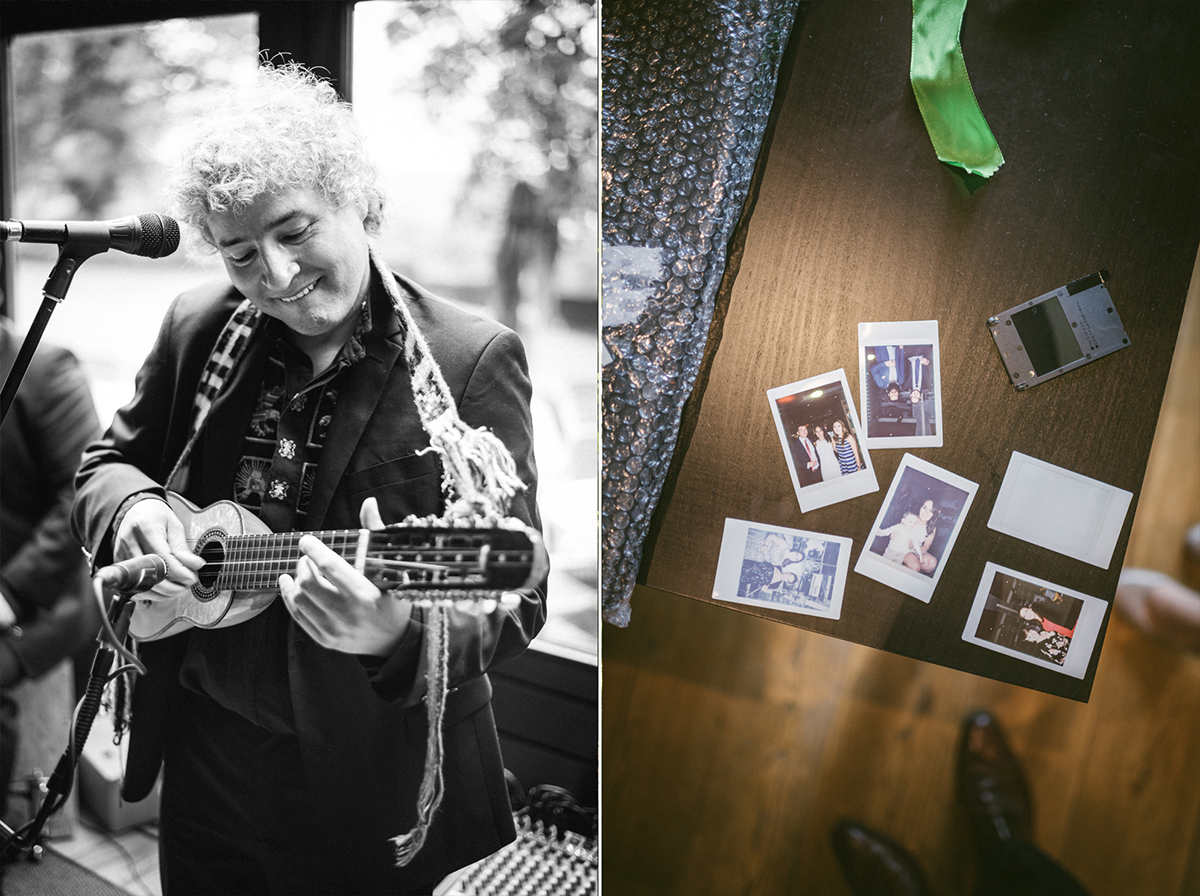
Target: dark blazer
pixel 361 724
pixel 800 455
pixel 43 572
pixel 880 371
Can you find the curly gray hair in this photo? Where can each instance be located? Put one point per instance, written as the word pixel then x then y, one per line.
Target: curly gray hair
pixel 287 131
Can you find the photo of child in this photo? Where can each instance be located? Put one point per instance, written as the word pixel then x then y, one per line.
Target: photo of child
pixel 923 509
pixel 916 527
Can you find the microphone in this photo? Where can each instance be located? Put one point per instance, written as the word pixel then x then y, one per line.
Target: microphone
pixel 139 574
pixel 151 236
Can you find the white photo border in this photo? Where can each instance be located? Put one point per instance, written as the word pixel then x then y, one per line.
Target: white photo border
pixel 733 549
pixel 902 333
pixel 908 581
pixel 1087 626
pixel 1011 510
pixel 831 491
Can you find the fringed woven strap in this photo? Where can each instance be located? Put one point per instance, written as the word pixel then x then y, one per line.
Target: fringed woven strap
pixel 478 467
pixel 230 347
pixel 437 654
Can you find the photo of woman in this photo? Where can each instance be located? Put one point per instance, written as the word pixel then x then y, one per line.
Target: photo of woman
pixel 1050 645
pixel 1051 640
pixel 770 564
pixel 762 578
pixel 830 469
pixel 846 449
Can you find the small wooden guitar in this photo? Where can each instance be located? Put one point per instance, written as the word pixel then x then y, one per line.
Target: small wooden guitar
pixel 244 559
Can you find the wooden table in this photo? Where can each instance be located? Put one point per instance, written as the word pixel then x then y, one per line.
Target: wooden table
pixel 1095 108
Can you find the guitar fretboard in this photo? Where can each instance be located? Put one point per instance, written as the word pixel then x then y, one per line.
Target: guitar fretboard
pixel 255 562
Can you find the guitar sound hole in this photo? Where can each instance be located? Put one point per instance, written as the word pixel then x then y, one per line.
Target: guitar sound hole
pixel 212 552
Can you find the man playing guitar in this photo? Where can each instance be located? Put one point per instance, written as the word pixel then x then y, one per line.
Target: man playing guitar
pixel 309 389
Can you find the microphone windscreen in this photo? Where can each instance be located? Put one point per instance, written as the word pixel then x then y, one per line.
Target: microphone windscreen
pixel 159 237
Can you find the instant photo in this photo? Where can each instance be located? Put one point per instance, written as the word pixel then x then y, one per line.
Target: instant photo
pixel 782 569
pixel 900 384
pixel 1060 510
pixel 916 528
pixel 1034 621
pixel 1059 331
pixel 822 440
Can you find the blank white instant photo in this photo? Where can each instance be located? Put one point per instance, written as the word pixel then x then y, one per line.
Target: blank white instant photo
pixel 822 440
pixel 1060 510
pixel 915 530
pixel 1034 621
pixel 900 384
pixel 782 569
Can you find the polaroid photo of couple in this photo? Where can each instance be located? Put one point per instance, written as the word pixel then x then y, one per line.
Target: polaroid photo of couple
pixel 916 528
pixel 900 384
pixel 822 440
pixel 782 569
pixel 1034 621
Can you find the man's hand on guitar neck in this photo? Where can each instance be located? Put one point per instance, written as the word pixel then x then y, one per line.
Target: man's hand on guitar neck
pixel 150 527
pixel 336 605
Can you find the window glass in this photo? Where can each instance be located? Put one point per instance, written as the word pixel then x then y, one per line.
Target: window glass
pixel 482 118
pixel 98 119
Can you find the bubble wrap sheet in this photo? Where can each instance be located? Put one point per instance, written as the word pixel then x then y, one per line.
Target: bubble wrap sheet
pixel 688 88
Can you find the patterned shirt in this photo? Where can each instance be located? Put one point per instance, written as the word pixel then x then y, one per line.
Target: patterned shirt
pixel 244 667
pixel 282 448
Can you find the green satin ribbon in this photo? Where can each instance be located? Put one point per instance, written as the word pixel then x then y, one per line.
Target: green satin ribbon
pixel 957 128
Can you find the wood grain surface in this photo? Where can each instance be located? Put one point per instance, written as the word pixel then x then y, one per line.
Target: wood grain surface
pixel 732 745
pixel 1094 107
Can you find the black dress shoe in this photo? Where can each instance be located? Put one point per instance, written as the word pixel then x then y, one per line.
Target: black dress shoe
pixel 874 865
pixel 991 786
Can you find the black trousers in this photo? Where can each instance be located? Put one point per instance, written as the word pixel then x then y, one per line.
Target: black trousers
pixel 239 816
pixel 1018 868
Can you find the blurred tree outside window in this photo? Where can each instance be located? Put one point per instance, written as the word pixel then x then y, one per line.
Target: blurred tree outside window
pixel 482 117
pixel 99 115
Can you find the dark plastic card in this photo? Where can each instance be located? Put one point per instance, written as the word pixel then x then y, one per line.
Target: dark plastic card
pixel 1059 331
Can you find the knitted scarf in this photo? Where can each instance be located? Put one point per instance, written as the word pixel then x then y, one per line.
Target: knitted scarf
pixel 479 477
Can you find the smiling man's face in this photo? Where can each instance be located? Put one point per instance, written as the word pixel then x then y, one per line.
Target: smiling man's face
pixel 299 259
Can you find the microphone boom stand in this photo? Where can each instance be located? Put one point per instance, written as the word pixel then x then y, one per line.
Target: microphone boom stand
pixel 74 252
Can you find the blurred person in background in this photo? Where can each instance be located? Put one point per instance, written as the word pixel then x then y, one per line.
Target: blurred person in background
pixel 1165 609
pixel 525 260
pixel 47 611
